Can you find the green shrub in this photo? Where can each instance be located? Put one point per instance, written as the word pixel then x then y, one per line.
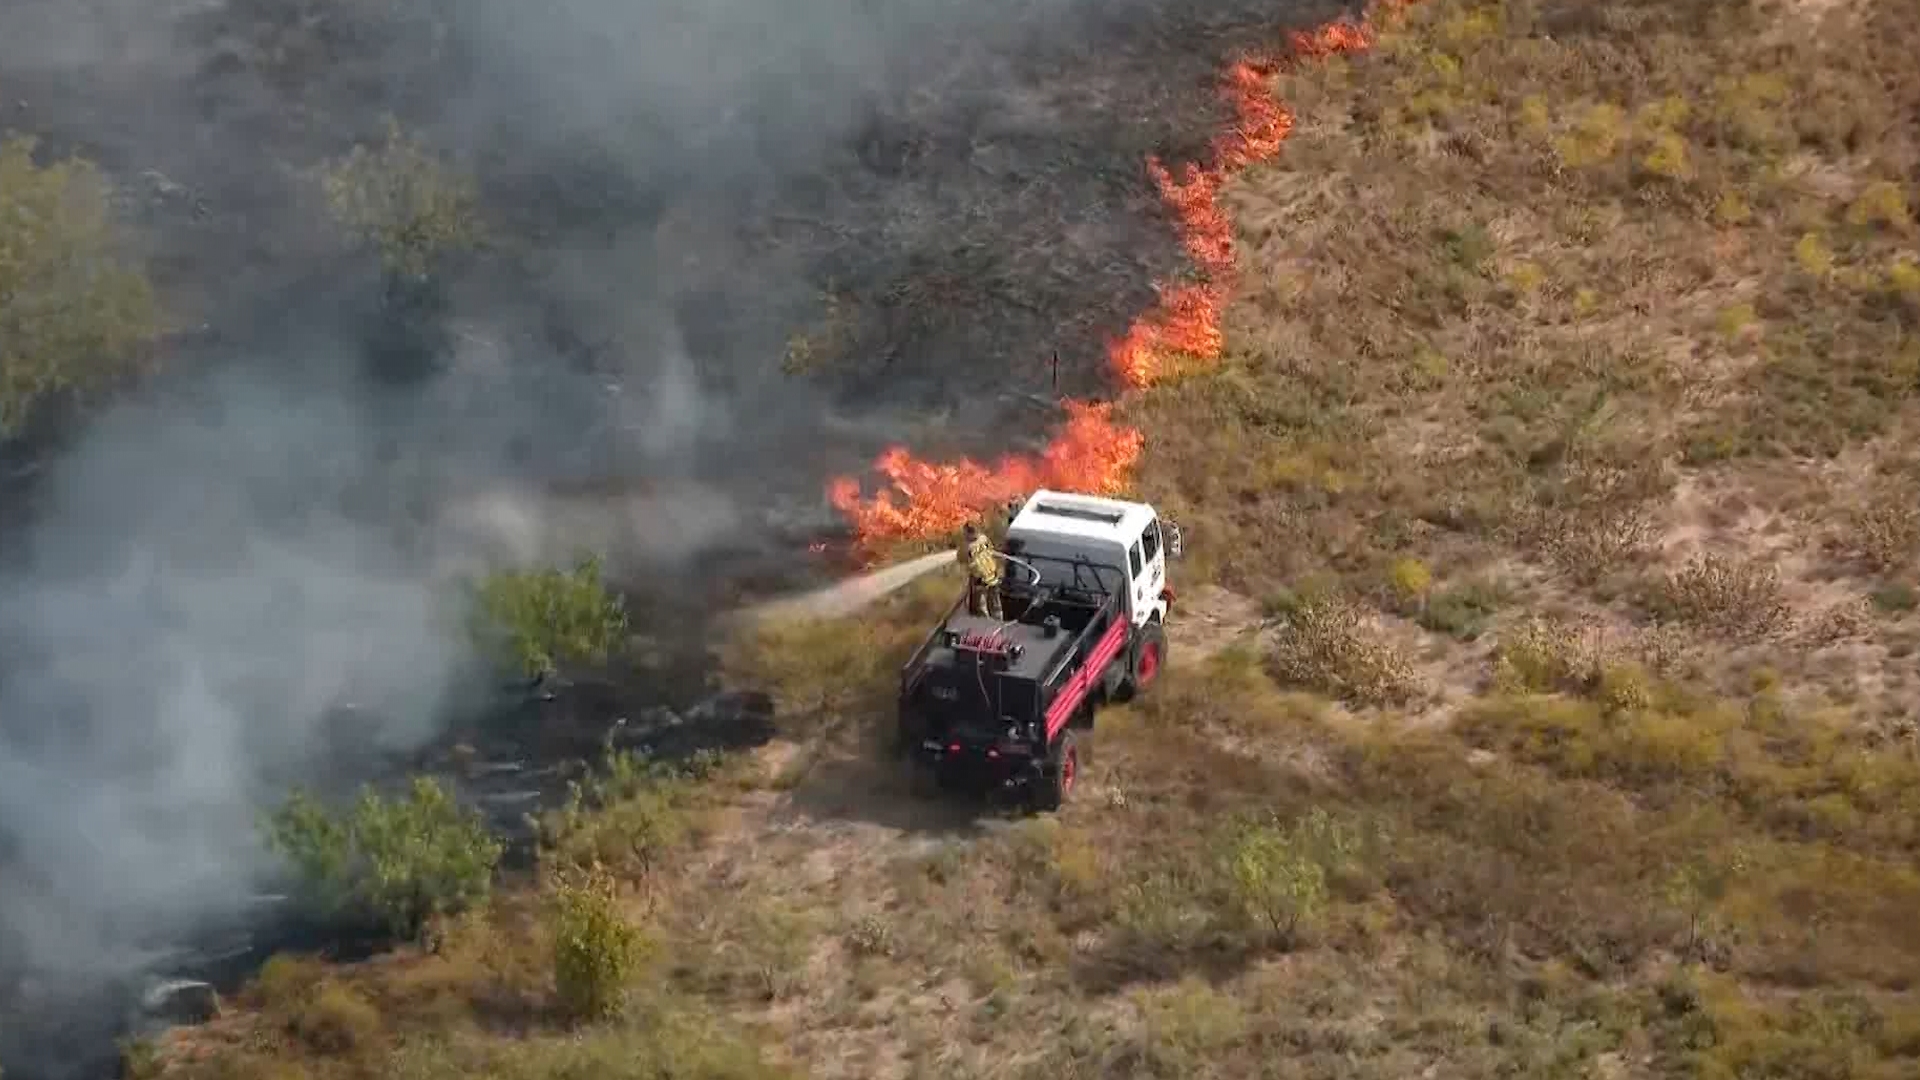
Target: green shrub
pixel 541 620
pixel 403 203
pixel 1896 597
pixel 1282 877
pixel 629 813
pixel 596 951
pixel 1410 580
pixel 1882 204
pixel 1461 612
pixel 394 863
pixel 71 312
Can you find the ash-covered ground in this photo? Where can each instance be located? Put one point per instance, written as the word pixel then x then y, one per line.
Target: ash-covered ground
pixel 734 248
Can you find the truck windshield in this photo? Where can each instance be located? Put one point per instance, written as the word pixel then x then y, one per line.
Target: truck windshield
pixel 1066 570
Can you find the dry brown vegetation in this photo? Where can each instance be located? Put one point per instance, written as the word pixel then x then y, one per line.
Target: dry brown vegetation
pixel 1576 363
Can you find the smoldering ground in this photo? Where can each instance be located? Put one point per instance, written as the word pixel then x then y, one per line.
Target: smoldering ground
pixel 938 195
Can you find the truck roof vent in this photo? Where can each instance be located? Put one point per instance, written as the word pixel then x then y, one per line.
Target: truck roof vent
pixel 1105 517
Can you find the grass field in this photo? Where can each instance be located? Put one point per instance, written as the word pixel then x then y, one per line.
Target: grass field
pixel 1542 700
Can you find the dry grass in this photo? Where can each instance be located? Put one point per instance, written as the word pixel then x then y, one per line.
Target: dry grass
pixel 1525 282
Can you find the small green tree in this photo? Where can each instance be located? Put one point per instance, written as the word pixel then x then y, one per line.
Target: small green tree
pixel 392 862
pixel 71 310
pixel 1696 886
pixel 402 202
pixel 596 951
pixel 539 620
pixel 1282 876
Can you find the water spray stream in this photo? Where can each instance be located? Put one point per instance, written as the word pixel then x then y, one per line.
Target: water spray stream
pixel 849 596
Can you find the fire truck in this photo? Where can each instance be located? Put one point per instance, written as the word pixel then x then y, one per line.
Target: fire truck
pixel 1009 703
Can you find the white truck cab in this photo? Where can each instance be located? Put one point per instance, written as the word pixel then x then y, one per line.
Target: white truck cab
pixel 1127 541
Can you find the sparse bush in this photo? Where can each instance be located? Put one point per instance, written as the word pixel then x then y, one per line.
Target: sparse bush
pixel 1624 688
pixel 1734 322
pixel 1903 278
pixel 401 201
pixel 1896 597
pixel 543 620
pixel 1590 542
pixel 1594 138
pixel 1667 157
pixel 1546 656
pixel 140 1059
pixel 1461 612
pixel 1887 532
pixel 756 949
pixel 1469 247
pixel 1813 256
pixel 1741 600
pixel 871 936
pixel 1695 888
pixel 630 813
pixel 72 312
pixel 1327 646
pixel 1411 581
pixel 596 950
pixel 1882 204
pixel 393 863
pixel 1187 1026
pixel 336 1020
pixel 1161 910
pixel 1732 209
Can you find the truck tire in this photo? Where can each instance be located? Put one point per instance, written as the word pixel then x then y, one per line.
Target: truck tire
pixel 1061 776
pixel 1148 656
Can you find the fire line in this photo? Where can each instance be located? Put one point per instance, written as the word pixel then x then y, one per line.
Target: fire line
pixel 1180 333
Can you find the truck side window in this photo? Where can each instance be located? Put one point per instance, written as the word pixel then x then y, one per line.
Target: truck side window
pixel 1133 557
pixel 1152 540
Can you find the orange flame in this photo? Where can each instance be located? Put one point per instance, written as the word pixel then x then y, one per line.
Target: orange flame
pixel 1092 453
pixel 1186 322
pixel 1147 352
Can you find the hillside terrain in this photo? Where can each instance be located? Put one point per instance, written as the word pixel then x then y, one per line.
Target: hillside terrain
pixel 1543 694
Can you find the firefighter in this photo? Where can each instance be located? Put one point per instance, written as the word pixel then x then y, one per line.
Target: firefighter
pixel 983 574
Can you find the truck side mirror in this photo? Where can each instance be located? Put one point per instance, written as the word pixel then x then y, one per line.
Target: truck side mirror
pixel 1176 543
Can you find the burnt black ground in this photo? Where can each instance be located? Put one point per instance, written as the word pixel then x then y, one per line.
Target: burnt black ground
pixel 975 193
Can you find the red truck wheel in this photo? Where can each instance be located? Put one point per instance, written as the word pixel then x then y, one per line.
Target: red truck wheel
pixel 1149 656
pixel 1062 773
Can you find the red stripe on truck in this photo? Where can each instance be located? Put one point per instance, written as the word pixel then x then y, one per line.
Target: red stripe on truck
pixel 1072 694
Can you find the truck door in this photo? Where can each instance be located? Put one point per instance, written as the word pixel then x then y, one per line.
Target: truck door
pixel 1156 560
pixel 1139 598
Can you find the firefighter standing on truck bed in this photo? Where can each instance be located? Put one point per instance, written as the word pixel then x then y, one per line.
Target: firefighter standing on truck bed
pixel 983 574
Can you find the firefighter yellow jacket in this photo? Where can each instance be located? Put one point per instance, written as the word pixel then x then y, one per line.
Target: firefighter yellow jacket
pixel 981 562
